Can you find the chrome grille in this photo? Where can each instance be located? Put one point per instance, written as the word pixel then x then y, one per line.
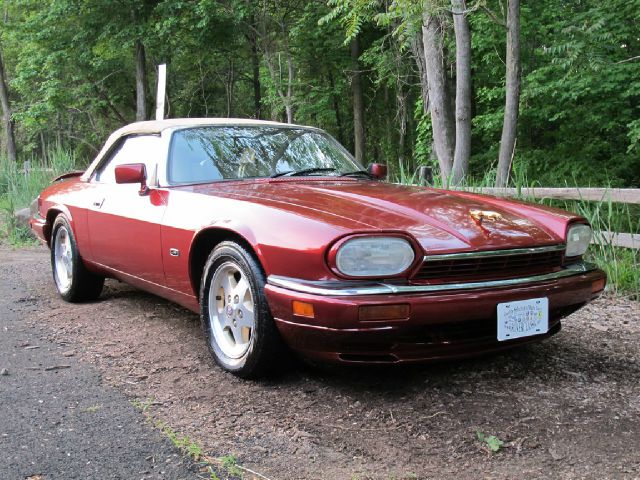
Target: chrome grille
pixel 492 263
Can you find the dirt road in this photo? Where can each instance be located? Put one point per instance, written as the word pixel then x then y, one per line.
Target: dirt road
pixel 566 408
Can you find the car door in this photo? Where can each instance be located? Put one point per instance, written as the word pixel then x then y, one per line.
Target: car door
pixel 124 225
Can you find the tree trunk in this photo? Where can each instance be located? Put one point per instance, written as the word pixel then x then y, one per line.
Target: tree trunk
pixel 417 49
pixel 336 106
pixel 273 51
pixel 255 66
pixel 290 79
pixel 512 102
pixel 229 87
pixel 443 128
pixel 6 114
pixel 463 92
pixel 43 148
pixel 358 102
pixel 402 98
pixel 141 82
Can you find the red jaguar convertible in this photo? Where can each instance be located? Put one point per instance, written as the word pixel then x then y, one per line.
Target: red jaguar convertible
pixel 277 237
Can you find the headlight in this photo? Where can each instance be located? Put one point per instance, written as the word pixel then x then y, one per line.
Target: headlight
pixel 374 256
pixel 578 239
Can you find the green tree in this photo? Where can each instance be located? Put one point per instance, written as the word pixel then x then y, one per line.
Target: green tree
pixel 6 113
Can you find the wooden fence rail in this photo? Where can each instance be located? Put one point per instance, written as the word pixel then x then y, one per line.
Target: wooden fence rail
pixel 626 240
pixel 617 195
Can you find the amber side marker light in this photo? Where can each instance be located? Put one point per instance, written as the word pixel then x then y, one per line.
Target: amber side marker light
pixel 369 313
pixel 598 285
pixel 303 309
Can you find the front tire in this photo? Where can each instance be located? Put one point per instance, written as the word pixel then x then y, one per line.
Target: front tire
pixel 237 324
pixel 74 282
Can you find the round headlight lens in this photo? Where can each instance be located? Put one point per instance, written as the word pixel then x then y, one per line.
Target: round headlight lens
pixel 578 239
pixel 374 256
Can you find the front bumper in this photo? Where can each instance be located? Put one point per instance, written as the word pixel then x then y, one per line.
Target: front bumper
pixel 39 225
pixel 445 321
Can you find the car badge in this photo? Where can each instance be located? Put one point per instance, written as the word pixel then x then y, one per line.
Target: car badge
pixel 479 216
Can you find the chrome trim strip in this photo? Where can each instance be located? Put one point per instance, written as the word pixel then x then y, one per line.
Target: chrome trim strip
pixel 493 253
pixel 354 288
pixel 329 329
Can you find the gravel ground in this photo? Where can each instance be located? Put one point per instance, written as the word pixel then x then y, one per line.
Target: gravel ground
pixel 566 408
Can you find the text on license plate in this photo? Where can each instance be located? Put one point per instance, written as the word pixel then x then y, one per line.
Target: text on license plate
pixel 523 318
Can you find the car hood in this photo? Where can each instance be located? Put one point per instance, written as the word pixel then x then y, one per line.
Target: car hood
pixel 440 220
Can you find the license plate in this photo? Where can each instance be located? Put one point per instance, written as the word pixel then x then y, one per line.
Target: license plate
pixel 523 318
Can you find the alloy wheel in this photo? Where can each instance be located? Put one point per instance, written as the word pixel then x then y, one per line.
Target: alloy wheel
pixel 231 310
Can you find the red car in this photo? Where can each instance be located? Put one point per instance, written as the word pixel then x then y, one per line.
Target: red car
pixel 277 237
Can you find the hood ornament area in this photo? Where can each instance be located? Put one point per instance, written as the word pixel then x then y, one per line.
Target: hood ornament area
pixel 478 216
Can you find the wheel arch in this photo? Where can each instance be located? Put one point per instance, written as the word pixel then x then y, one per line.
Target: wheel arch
pixel 203 244
pixel 52 214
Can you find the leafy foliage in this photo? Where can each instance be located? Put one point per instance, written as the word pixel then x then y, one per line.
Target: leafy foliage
pixel 580 99
pixel 71 72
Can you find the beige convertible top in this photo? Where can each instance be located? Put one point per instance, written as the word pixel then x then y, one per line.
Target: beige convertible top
pixel 157 126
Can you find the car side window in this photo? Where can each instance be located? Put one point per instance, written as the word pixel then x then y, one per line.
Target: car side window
pixel 136 149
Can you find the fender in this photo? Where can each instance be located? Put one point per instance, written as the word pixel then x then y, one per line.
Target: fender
pixel 52 212
pixel 234 228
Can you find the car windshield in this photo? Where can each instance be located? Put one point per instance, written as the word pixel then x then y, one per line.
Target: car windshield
pixel 212 153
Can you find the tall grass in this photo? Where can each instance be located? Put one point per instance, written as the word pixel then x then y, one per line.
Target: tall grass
pixel 23 187
pixel 621 264
pixel 19 188
pixel 403 174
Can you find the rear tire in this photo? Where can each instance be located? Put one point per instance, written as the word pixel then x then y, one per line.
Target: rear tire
pixel 72 279
pixel 237 323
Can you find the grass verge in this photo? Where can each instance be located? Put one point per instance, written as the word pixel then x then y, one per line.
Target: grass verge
pixel 226 467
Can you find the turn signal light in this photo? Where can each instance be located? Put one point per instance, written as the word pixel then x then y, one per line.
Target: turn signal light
pixel 369 313
pixel 598 285
pixel 303 309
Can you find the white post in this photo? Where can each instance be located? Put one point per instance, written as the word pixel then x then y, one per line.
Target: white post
pixel 162 87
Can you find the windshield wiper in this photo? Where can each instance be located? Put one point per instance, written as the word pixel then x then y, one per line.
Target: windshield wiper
pixel 299 173
pixel 357 173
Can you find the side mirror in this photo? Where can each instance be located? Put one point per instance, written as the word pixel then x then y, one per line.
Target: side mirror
pixel 425 175
pixel 377 170
pixel 133 173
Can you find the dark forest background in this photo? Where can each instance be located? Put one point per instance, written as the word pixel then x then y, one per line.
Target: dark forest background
pixel 75 70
